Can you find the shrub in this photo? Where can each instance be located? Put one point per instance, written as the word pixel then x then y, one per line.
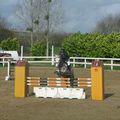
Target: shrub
pixel 93 45
pixel 10 44
pixel 38 49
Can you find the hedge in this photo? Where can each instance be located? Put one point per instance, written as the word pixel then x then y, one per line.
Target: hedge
pixel 93 45
pixel 10 44
pixel 38 49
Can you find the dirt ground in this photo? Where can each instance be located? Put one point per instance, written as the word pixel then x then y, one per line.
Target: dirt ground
pixel 31 108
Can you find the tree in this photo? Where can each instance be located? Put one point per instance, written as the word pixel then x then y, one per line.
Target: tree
pixel 5 32
pixel 53 18
pixel 26 11
pixel 40 16
pixel 38 49
pixel 10 44
pixel 108 24
pixel 3 23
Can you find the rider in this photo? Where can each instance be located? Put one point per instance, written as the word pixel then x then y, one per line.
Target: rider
pixel 64 57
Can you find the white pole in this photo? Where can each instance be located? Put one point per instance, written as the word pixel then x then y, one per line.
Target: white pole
pixel 111 64
pixel 3 62
pixel 21 53
pixel 52 55
pixel 8 71
pixel 73 62
pixel 85 63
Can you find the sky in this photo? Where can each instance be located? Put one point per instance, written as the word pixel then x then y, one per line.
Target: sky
pixel 80 15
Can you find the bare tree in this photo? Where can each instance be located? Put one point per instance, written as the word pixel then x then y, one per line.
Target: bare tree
pixel 28 12
pixel 41 16
pixel 5 32
pixel 108 24
pixel 53 18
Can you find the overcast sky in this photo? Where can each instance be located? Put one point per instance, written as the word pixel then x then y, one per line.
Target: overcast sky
pixel 80 15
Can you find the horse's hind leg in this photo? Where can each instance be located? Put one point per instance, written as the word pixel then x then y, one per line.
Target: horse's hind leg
pixel 71 80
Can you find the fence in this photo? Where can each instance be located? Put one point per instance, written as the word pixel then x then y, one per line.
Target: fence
pixel 85 61
pixel 112 62
pixel 74 60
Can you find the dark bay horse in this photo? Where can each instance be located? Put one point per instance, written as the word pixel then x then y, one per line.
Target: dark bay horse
pixel 63 67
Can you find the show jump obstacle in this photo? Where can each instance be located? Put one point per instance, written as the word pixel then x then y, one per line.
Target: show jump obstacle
pixel 59 87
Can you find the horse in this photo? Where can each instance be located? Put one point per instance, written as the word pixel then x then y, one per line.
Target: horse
pixel 63 69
